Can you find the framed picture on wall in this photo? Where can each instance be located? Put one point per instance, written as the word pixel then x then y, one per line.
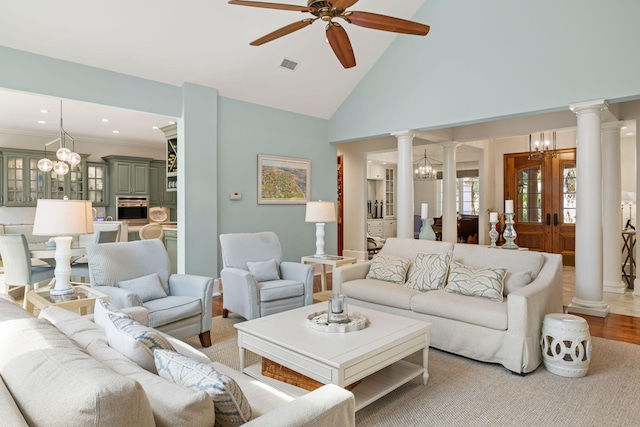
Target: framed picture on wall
pixel 283 180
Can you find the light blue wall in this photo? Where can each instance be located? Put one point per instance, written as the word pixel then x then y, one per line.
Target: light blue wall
pixel 246 130
pixel 493 59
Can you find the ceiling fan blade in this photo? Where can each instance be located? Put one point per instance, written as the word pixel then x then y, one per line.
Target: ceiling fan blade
pixel 386 23
pixel 343 4
pixel 339 42
pixel 288 29
pixel 270 5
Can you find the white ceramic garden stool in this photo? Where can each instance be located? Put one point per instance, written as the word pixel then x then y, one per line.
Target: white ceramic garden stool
pixel 566 344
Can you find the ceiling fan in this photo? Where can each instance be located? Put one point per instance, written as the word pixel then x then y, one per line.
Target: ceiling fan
pixel 336 35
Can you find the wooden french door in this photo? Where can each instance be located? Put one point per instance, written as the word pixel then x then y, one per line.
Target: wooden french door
pixel 544 195
pixel 340 215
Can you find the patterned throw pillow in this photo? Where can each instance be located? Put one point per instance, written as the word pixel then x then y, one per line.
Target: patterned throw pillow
pixel 476 281
pixel 231 406
pixel 428 271
pixel 264 271
pixel 147 287
pixel 389 268
pixel 136 341
pixel 101 310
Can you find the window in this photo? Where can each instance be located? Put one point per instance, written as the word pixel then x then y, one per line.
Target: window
pixel 469 188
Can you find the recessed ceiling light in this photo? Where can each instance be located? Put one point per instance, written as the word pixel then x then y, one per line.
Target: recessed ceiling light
pixel 155 127
pixel 105 120
pixel 44 111
pixel 171 122
pixel 623 127
pixel 116 131
pixel 629 133
pixel 42 122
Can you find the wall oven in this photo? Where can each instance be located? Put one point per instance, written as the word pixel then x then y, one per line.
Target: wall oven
pixel 132 209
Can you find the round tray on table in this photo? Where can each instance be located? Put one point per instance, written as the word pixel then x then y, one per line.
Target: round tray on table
pixel 319 322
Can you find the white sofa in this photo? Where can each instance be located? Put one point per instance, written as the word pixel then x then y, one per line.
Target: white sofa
pixel 58 370
pixel 506 332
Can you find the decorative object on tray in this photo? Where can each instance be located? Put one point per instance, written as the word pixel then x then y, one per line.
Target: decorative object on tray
pixel 319 322
pixel 493 233
pixel 338 311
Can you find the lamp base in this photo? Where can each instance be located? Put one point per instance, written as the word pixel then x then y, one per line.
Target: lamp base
pixel 319 240
pixel 56 292
pixel 426 232
pixel 62 271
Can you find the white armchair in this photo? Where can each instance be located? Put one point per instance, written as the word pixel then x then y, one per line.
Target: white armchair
pixel 138 273
pixel 256 282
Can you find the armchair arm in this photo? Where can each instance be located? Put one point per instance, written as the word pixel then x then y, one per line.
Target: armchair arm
pixel 302 273
pixel 194 286
pixel 120 297
pixel 327 406
pixel 346 273
pixel 240 290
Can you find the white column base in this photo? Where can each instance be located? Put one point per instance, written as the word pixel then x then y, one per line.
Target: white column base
pixel 589 308
pixel 615 287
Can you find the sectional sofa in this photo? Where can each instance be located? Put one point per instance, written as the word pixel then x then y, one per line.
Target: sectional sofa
pixel 503 329
pixel 59 370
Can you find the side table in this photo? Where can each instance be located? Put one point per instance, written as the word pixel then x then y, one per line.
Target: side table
pixel 332 260
pixel 81 298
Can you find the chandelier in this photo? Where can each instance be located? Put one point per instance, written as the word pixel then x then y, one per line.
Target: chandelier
pixel 63 154
pixel 423 169
pixel 541 145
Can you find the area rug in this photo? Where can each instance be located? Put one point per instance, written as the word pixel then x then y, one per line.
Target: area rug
pixel 463 392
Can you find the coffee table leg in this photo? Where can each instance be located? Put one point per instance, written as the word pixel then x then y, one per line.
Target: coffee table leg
pixel 425 360
pixel 242 354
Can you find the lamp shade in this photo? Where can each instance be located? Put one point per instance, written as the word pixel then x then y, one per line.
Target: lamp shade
pixel 56 217
pixel 320 212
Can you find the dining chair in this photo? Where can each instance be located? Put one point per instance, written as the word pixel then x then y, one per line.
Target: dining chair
pixel 151 231
pixel 80 267
pixel 18 270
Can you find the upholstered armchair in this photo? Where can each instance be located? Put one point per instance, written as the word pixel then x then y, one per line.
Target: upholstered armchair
pixel 255 280
pixel 139 274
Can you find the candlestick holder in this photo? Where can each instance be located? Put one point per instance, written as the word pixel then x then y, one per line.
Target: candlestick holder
pixel 509 233
pixel 493 234
pixel 426 232
pixel 337 311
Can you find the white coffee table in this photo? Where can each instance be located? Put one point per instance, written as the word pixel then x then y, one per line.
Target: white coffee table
pixel 373 354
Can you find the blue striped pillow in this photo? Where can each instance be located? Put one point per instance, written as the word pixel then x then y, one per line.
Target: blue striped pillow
pixel 231 406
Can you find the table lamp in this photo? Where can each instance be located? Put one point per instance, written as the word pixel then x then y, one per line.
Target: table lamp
pixel 320 212
pixel 63 219
pixel 426 232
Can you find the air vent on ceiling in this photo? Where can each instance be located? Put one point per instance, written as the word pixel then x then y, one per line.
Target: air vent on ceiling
pixel 288 64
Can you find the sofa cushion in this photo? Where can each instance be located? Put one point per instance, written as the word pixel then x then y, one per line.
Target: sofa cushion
pixel 408 248
pixel 102 309
pixel 476 281
pixel 147 287
pixel 172 309
pixel 79 328
pixel 389 268
pixel 137 342
pixel 515 261
pixel 49 377
pixel 475 311
pixel 515 280
pixel 264 271
pixel 9 412
pixel 428 271
pixel 279 289
pixel 231 406
pixel 379 292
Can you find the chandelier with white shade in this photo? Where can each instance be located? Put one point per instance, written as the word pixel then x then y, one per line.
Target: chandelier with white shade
pixel 66 157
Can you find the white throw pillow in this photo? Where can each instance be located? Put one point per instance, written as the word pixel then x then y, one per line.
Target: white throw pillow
pixel 389 268
pixel 101 310
pixel 231 405
pixel 476 281
pixel 264 271
pixel 147 287
pixel 135 341
pixel 515 280
pixel 428 271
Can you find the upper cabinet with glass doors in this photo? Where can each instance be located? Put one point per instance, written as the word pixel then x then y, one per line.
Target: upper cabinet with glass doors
pixel 24 183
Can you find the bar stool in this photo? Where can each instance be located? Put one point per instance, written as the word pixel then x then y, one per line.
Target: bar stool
pixel 566 345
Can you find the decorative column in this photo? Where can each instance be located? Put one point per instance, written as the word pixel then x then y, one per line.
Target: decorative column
pixel 589 252
pixel 449 208
pixel 404 188
pixel 611 199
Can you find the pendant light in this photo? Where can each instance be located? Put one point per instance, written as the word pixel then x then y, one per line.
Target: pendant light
pixel 63 154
